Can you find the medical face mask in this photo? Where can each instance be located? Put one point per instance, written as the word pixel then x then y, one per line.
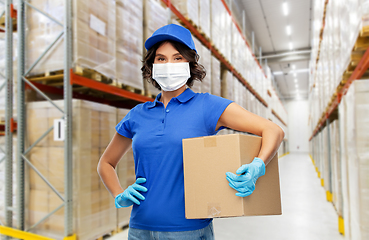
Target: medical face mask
pixel 171 76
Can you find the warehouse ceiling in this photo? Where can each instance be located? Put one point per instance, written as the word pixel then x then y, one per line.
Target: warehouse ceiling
pixel 282 28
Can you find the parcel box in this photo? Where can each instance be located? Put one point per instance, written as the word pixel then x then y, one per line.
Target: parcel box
pixel 207 193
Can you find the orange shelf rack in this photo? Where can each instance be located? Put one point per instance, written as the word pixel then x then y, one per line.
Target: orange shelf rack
pixel 128 99
pixel 13 127
pixel 215 51
pixel 357 74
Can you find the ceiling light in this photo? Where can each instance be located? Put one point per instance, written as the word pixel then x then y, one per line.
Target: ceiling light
pixel 294 74
pixel 291 46
pixel 293 67
pixel 285 8
pixel 295 80
pixel 288 30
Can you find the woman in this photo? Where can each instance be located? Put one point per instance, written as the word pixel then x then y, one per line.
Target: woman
pixel 155 131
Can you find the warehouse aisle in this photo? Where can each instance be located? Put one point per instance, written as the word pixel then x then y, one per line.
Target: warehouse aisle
pixel 306 213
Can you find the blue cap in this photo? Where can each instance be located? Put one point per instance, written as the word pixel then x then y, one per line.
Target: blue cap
pixel 172 32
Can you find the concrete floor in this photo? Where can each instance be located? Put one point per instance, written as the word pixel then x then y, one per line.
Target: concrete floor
pixel 306 213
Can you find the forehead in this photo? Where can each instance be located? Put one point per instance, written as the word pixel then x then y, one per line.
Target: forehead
pixel 166 48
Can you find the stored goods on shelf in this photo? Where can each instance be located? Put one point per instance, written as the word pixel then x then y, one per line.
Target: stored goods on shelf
pixel 197 84
pixel 94 210
pixel 107 37
pixel 129 39
pixel 221 28
pixel 189 9
pixel 336 168
pixel 126 174
pixel 204 17
pixel 215 76
pixel 155 16
pixel 336 48
pixel 2 178
pixel 205 60
pixel 354 111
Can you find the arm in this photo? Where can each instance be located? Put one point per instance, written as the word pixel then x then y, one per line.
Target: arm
pixel 238 118
pixel 118 146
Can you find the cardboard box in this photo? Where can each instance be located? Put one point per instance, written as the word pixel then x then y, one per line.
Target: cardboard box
pixel 207 193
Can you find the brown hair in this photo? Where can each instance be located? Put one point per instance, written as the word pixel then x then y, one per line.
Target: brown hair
pixel 198 71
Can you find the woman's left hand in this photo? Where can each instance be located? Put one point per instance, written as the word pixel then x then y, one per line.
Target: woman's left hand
pixel 244 183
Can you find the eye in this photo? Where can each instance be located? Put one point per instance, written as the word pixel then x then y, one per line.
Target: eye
pixel 160 59
pixel 178 58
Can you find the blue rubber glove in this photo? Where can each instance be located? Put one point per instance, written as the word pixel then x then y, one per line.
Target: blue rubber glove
pixel 130 195
pixel 244 183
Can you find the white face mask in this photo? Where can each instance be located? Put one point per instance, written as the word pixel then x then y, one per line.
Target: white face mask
pixel 171 76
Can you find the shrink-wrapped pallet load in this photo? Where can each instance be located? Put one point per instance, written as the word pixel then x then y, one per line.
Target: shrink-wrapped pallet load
pixel 215 76
pixel 336 168
pixel 93 35
pixel 2 178
pixel 129 41
pixel 126 174
pixel 155 16
pixel 204 16
pixel 227 84
pixel 354 110
pixel 327 169
pixel 196 87
pixel 205 60
pixel 189 9
pixel 94 212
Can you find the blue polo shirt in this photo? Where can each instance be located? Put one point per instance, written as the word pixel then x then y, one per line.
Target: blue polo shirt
pixel 157 134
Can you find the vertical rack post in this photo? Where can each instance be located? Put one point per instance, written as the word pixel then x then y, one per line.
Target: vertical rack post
pixel 329 161
pixel 8 115
pixel 20 114
pixel 68 157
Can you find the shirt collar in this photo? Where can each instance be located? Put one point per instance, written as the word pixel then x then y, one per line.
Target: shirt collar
pixel 183 97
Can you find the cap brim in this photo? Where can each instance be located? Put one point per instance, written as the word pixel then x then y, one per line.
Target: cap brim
pixel 151 41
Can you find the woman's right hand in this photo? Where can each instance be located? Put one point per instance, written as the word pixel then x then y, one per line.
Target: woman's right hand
pixel 130 195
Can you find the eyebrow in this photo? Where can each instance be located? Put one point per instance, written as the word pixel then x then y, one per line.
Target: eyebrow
pixel 161 55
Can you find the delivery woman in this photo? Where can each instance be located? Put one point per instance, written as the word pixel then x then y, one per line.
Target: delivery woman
pixel 155 131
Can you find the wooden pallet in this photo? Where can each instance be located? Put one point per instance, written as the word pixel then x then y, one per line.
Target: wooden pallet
pixel 2 23
pixel 92 74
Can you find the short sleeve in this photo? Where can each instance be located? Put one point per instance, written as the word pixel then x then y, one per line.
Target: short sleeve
pixel 214 107
pixel 124 126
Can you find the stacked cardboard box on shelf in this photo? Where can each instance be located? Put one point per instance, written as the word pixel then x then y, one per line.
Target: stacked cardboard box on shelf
pixel 204 17
pixel 126 174
pixel 107 37
pixel 129 39
pixel 155 16
pixel 215 76
pixel 205 60
pixel 93 206
pixel 189 9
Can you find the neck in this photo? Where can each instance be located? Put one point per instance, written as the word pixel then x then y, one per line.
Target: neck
pixel 167 96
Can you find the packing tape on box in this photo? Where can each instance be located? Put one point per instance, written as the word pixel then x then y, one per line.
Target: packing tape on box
pixel 210 142
pixel 214 210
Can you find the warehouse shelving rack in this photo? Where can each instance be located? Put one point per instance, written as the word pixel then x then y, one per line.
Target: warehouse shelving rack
pixel 218 55
pixel 9 123
pixel 69 79
pixel 331 111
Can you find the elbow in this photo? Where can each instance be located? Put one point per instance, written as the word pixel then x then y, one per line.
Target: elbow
pixel 281 133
